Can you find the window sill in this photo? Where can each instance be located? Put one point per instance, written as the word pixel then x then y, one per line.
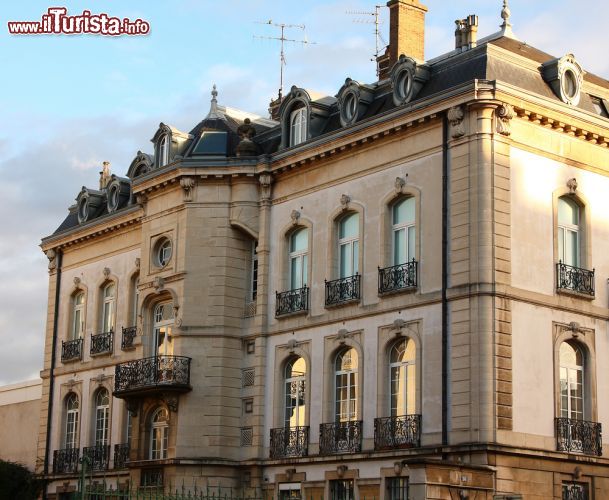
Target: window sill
pixel 575 294
pixel 409 289
pixel 100 354
pixel 344 303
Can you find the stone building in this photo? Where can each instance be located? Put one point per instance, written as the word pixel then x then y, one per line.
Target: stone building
pixel 397 292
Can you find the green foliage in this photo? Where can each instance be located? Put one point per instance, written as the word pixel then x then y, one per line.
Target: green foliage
pixel 17 482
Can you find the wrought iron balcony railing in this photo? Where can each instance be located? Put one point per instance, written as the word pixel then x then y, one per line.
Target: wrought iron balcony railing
pixel 290 442
pixel 292 301
pixel 343 290
pixel 71 350
pixel 397 278
pixel 97 457
pixel 121 455
pixel 397 432
pixel 66 461
pixel 574 491
pixel 129 334
pixel 575 279
pixel 579 436
pixel 340 437
pixel 151 374
pixel 102 343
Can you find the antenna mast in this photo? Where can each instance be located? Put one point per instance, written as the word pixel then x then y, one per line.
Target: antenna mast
pixel 378 38
pixel 283 39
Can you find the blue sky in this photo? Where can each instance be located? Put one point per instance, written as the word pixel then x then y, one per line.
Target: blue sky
pixel 70 102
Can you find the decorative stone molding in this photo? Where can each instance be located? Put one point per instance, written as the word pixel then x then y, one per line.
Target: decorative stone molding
pixel 187 184
pixel 345 199
pixel 455 117
pixel 106 272
pixel 141 199
pixel 76 281
pixel 171 402
pixel 137 263
pixel 265 180
pixel 342 335
pixel 158 283
pixel 572 185
pixel 295 216
pixel 398 325
pixel 292 345
pixel 407 79
pixel 52 256
pixel 399 184
pixel 505 113
pixel 566 77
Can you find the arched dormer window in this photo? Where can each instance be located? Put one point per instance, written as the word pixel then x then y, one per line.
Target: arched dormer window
pixel 163 150
pixel 298 126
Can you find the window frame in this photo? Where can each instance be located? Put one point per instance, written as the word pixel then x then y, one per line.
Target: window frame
pixel 101 416
pixel 162 426
pixel 158 323
pixel 403 227
pixel 108 308
pixel 163 149
pixel 406 365
pixel 78 310
pixel 352 243
pixel 298 125
pixel 301 257
pixel 564 229
pixel 289 381
pixel 353 385
pixel 73 423
pixel 585 235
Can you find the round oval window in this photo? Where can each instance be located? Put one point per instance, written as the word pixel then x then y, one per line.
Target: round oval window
pixel 405 85
pixel 163 252
pixel 113 198
pixel 569 84
pixel 350 106
pixel 83 209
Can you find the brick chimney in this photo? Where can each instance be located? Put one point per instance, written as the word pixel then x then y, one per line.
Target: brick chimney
pixel 406 33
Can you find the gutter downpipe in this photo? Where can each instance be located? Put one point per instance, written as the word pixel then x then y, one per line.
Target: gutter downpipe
pixel 52 370
pixel 445 359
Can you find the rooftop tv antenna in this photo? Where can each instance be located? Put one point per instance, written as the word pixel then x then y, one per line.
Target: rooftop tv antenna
pixel 378 38
pixel 283 39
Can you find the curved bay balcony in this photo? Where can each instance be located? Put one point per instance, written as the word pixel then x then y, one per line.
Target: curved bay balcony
pixel 149 375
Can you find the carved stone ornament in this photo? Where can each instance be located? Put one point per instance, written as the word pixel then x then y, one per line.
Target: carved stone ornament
pixel 399 184
pixel 292 344
pixel 247 147
pixel 265 180
pixel 106 272
pixel 295 216
pixel 158 283
pixel 345 199
pixel 455 117
pixel 398 324
pixel 76 281
pixel 52 256
pixel 342 335
pixel 187 184
pixel 572 185
pixel 141 199
pixel 137 262
pixel 171 402
pixel 505 113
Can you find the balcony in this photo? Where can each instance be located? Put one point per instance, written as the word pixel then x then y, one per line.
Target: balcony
pixel 398 278
pixel 121 455
pixel 149 375
pixel 71 350
pixel 343 290
pixel 575 279
pixel 292 301
pixel 340 437
pixel 397 432
pixel 102 343
pixel 290 442
pixel 66 461
pixel 578 436
pixel 97 457
pixel 128 337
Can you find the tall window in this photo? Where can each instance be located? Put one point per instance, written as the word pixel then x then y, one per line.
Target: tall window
pixel 135 298
pixel 164 151
pixel 129 428
pixel 102 417
pixel 571 381
pixel 403 229
pixel 163 321
pixel 295 393
pixel 108 307
pixel 298 126
pixel 299 249
pixel 341 489
pixel 569 215
pixel 402 374
pixel 159 431
pixel 345 376
pixel 72 412
pixel 348 245
pixel 78 316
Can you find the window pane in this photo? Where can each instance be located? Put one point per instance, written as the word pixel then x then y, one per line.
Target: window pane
pixel 345 264
pixel 399 247
pixel 295 273
pixel 299 241
pixel 561 244
pixel 410 390
pixel 304 270
pixel 572 253
pixel 411 243
pixel 403 212
pixel 349 226
pixel 568 212
pixel 355 263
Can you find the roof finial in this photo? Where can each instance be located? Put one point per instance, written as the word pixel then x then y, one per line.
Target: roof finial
pixel 506 27
pixel 213 110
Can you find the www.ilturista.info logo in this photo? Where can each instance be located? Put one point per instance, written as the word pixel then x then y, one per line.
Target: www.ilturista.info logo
pixel 57 22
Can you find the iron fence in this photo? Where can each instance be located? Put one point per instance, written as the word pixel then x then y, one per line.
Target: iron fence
pixel 71 350
pixel 292 301
pixel 340 437
pixel 579 436
pixel 98 456
pixel 128 337
pixel 66 461
pixel 102 343
pixel 397 432
pixel 396 278
pixel 121 455
pixel 575 279
pixel 343 290
pixel 290 442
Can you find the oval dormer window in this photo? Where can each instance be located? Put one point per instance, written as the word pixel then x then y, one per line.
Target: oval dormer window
pixel 113 197
pixel 350 106
pixel 569 84
pixel 298 126
pixel 83 209
pixel 163 150
pixel 405 85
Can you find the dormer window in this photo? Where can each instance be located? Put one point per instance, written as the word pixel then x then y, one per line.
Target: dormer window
pixel 163 150
pixel 298 126
pixel 600 106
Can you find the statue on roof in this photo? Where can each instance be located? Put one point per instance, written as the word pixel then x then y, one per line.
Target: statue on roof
pixel 246 131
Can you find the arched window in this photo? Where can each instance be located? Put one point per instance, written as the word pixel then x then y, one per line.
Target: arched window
pixel 569 232
pixel 346 390
pixel 348 245
pixel 403 231
pixel 72 412
pixel 159 431
pixel 108 307
pixel 78 316
pixel 102 417
pixel 163 317
pixel 571 381
pixel 295 393
pixel 402 376
pixel 298 126
pixel 299 250
pixel 164 150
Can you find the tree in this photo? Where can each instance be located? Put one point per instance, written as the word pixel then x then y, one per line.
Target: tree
pixel 18 482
